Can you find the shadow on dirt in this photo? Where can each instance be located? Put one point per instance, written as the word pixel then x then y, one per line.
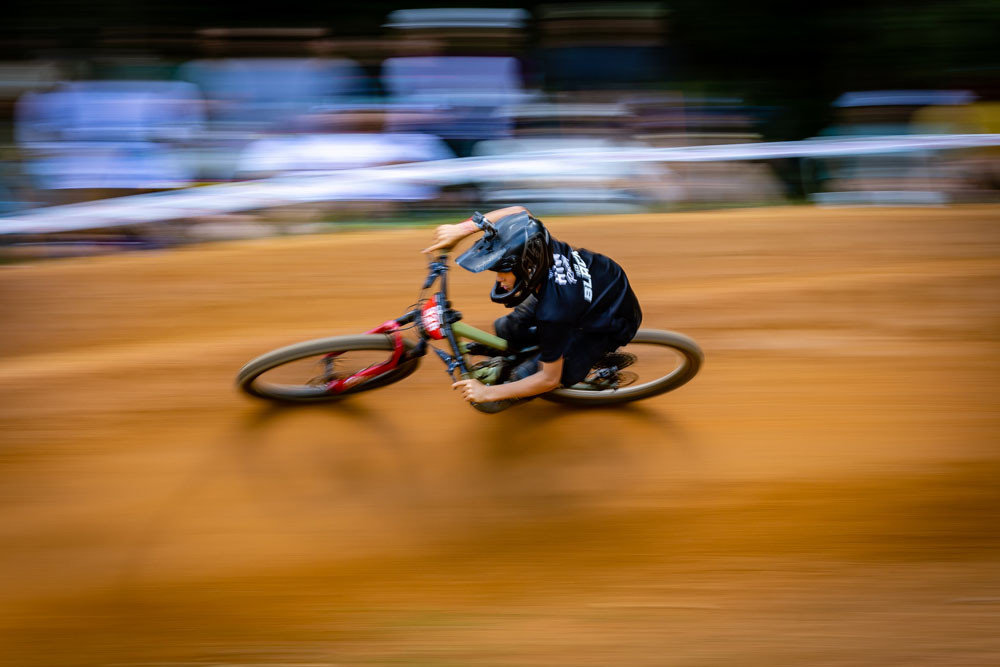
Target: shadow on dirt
pixel 314 454
pixel 538 426
pixel 547 457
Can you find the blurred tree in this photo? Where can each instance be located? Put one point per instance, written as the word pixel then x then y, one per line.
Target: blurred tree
pixel 794 55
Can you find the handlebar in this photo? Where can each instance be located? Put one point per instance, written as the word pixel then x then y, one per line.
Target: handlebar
pixel 437 268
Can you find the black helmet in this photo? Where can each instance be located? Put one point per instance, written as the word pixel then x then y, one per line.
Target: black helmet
pixel 518 244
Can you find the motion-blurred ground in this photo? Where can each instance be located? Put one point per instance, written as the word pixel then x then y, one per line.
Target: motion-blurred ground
pixel 823 493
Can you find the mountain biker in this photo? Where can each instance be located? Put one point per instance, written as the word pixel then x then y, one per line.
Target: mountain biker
pixel 575 305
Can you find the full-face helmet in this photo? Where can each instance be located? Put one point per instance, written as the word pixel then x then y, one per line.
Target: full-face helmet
pixel 517 243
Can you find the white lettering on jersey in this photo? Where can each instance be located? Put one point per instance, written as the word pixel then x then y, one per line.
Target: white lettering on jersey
pixel 581 270
pixel 562 270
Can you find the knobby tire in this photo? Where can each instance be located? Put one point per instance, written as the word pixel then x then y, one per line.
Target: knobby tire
pixel 692 359
pixel 307 393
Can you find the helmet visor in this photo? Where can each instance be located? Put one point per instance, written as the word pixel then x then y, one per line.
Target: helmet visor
pixel 482 256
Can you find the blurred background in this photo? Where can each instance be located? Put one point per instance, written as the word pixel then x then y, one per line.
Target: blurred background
pixel 116 98
pixel 823 493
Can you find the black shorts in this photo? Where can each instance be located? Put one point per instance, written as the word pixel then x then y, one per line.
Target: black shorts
pixel 583 349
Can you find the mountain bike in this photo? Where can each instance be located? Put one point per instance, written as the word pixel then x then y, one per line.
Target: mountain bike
pixel 652 363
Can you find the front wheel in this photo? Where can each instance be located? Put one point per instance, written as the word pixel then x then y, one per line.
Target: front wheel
pixel 664 360
pixel 301 373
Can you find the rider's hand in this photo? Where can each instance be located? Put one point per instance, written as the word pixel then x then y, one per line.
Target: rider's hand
pixel 446 236
pixel 473 391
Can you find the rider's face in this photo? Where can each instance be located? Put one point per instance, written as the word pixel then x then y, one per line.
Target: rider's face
pixel 506 279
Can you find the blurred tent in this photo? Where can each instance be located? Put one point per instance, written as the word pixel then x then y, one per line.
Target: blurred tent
pixel 917 177
pixel 883 112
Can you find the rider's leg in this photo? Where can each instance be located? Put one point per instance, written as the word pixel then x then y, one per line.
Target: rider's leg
pixel 583 351
pixel 518 327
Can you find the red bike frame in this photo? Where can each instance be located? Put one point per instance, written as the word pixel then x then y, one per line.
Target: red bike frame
pixel 434 320
pixel 390 328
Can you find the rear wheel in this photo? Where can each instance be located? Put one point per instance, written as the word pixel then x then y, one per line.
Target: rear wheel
pixel 302 372
pixel 664 360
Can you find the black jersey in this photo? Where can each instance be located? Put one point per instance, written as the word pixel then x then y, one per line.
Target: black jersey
pixel 585 292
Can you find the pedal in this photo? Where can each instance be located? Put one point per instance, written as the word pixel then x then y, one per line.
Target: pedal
pixel 607 373
pixel 603 378
pixel 616 360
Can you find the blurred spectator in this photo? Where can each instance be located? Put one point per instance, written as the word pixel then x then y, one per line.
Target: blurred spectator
pixel 354 140
pixel 570 183
pixel 668 120
pixel 450 84
pixel 255 94
pixel 458 98
pixel 18 77
pixel 259 80
pixel 108 137
pixel 672 120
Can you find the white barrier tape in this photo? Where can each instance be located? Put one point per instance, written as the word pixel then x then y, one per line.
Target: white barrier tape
pixel 334 185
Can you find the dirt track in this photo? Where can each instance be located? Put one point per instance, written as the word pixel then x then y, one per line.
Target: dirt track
pixel 823 493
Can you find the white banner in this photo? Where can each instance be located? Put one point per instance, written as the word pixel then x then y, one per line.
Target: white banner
pixel 338 185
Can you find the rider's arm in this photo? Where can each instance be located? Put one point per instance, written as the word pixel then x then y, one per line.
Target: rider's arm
pixel 546 379
pixel 447 236
pixel 501 213
pixel 552 339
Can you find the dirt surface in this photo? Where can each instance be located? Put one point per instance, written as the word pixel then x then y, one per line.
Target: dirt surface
pixel 823 493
